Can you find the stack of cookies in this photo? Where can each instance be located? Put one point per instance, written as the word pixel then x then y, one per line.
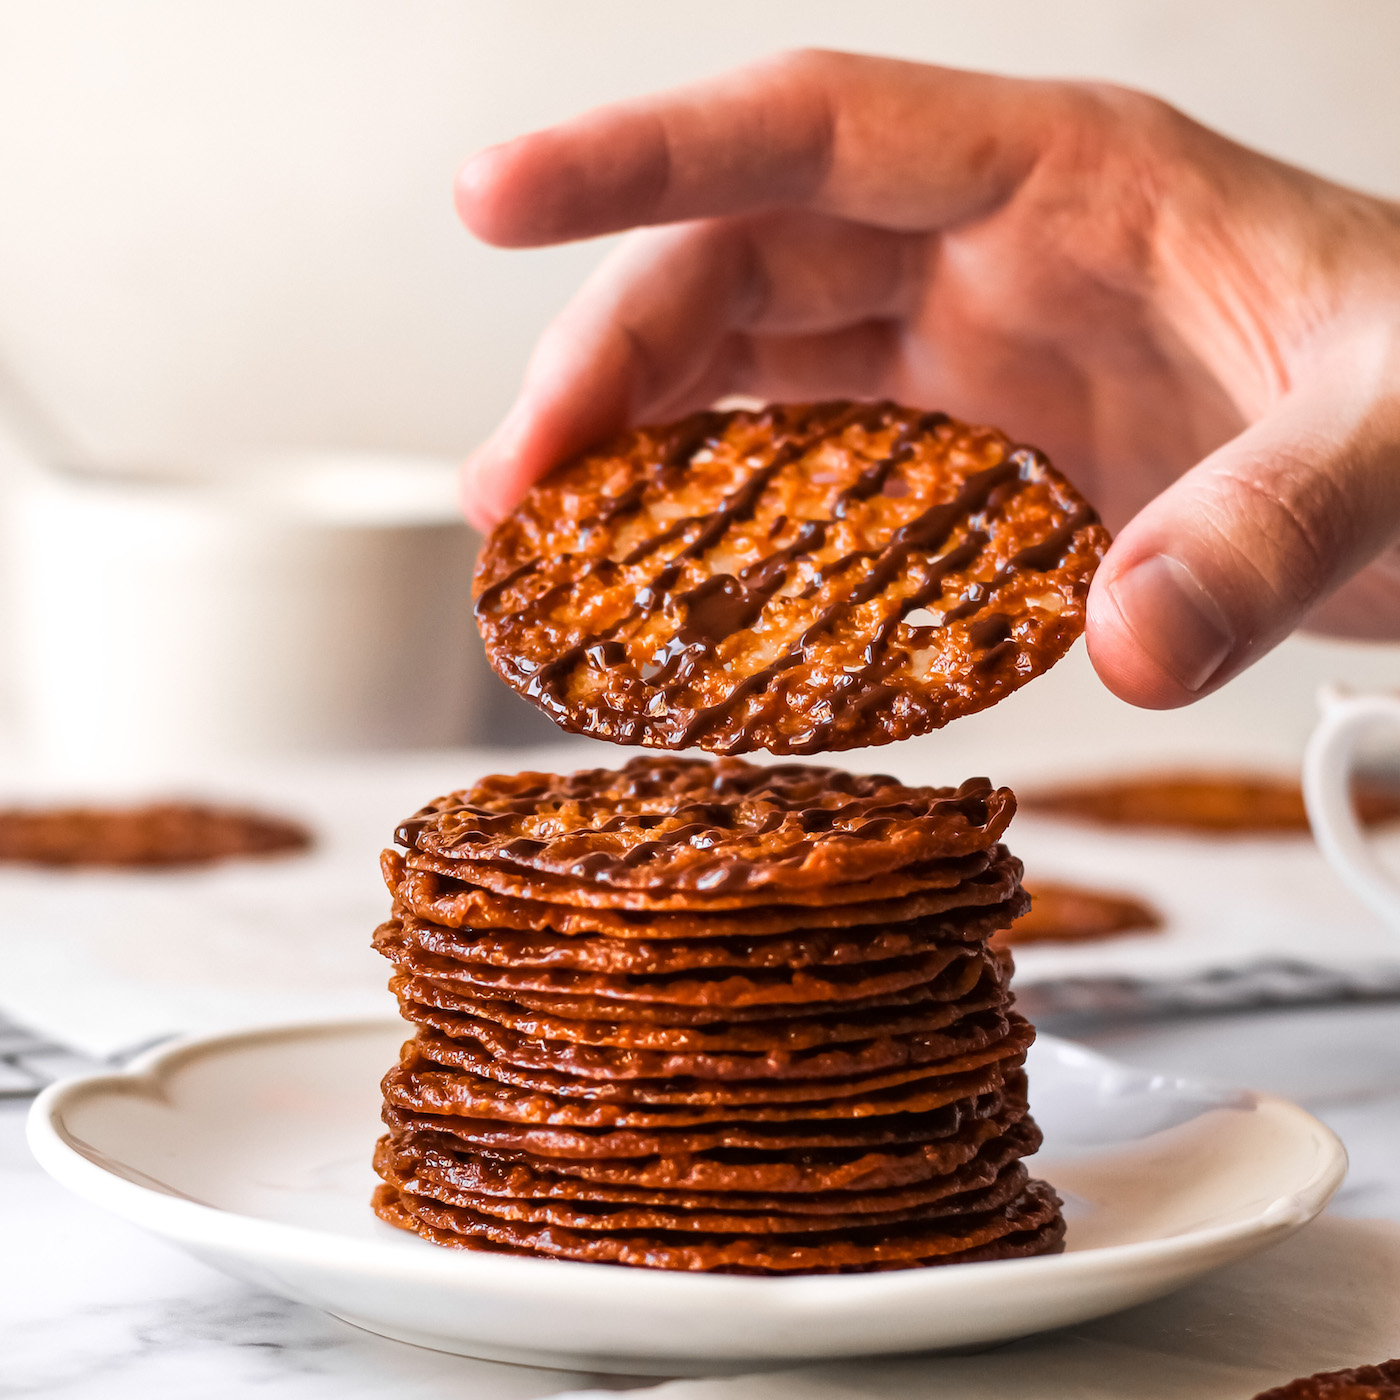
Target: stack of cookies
pixel 711 1016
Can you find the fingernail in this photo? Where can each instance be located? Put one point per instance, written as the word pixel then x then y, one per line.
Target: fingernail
pixel 1174 619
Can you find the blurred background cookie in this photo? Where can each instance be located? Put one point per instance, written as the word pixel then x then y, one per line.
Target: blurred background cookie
pixel 1062 913
pixel 158 834
pixel 1218 801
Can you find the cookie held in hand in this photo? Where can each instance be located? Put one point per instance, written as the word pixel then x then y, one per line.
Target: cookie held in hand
pixel 800 579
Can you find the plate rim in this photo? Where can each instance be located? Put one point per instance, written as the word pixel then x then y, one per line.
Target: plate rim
pixel 196 1223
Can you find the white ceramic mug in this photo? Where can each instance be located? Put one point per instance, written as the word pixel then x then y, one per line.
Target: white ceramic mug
pixel 1328 765
pixel 289 602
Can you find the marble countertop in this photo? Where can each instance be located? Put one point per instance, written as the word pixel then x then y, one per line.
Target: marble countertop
pixel 90 1309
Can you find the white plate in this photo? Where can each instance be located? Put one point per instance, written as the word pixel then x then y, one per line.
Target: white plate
pixel 252 1151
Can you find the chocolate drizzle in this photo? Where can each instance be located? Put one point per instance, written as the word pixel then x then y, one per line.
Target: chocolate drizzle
pixel 1047 553
pixel 690 824
pixel 668 698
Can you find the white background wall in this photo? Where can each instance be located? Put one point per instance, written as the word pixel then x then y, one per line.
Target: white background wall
pixel 228 223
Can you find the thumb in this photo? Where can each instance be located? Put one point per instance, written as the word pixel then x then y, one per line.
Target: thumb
pixel 1224 564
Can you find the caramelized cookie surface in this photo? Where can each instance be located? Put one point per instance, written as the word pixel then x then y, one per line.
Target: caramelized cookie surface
pixel 969 1165
pixel 1030 1224
pixel 668 826
pixel 432 890
pixel 805 578
pixel 952 1137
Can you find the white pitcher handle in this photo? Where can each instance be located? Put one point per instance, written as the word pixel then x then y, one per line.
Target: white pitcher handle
pixel 1327 767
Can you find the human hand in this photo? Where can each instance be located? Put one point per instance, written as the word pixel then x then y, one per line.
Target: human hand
pixel 1203 339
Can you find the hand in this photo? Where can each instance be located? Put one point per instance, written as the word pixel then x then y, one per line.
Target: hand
pixel 1204 339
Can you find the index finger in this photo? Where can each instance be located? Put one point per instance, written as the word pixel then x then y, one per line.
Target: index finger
pixel 899 145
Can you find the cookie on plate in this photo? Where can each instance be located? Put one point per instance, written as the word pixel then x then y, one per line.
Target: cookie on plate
pixel 1356 1383
pixel 705 1015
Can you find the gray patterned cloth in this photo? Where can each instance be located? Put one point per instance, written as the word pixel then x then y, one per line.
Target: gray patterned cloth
pixel 1269 982
pixel 29 1061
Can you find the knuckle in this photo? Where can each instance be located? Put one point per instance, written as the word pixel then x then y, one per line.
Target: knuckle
pixel 810 60
pixel 1132 138
pixel 1127 144
pixel 1289 527
pixel 1124 110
